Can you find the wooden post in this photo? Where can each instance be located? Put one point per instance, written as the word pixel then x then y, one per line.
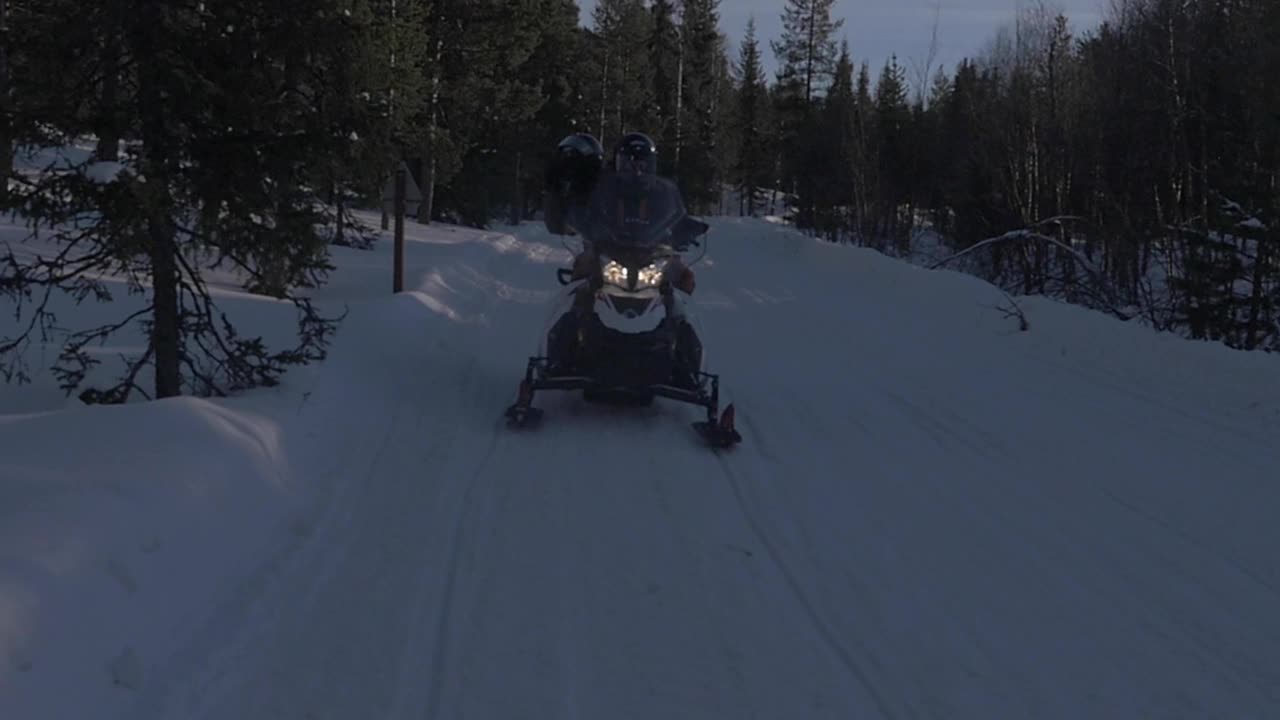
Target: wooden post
pixel 399 252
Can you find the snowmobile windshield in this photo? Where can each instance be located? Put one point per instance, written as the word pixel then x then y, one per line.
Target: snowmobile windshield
pixel 633 214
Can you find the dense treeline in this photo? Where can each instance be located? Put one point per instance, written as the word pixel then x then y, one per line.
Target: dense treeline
pixel 1138 159
pixel 1132 167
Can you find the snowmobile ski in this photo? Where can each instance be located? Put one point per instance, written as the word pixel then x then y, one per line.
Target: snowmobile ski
pixel 522 414
pixel 717 430
pixel 719 433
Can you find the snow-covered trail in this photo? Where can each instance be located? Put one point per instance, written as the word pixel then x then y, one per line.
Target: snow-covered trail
pixel 930 516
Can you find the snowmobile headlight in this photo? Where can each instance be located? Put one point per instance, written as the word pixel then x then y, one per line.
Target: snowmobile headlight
pixel 614 273
pixel 650 276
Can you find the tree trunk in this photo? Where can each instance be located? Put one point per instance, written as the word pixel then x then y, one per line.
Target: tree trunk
pixel 1257 299
pixel 620 116
pixel 165 333
pixel 108 148
pixel 517 195
pixel 428 190
pixel 429 167
pixel 675 166
pixel 166 338
pixel 6 102
pixel 810 56
pixel 604 96
pixel 340 229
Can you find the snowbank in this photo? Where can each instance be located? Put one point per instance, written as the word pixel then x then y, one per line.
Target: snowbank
pixel 118 525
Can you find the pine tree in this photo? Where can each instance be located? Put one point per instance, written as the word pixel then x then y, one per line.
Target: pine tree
pixel 8 131
pixel 496 145
pixel 234 143
pixel 942 167
pixel 806 55
pixel 477 95
pixel 835 157
pixel 866 157
pixel 554 68
pixel 703 51
pixel 892 116
pixel 624 95
pixel 385 91
pixel 36 110
pixel 806 51
pixel 753 170
pixel 725 112
pixel 666 58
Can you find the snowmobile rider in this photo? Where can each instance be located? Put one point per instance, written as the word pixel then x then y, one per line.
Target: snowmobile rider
pixel 582 199
pixel 574 177
pixel 571 177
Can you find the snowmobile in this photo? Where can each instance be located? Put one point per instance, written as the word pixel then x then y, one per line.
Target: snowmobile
pixel 625 335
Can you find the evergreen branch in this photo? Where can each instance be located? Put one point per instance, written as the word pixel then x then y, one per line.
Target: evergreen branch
pixel 80 362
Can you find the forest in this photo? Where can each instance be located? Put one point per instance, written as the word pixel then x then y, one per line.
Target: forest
pixel 1131 167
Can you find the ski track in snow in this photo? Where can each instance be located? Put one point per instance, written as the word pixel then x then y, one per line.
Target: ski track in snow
pixel 821 627
pixel 929 517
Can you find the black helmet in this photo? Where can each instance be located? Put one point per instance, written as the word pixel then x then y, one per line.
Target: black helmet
pixel 635 154
pixel 581 145
pixel 578 161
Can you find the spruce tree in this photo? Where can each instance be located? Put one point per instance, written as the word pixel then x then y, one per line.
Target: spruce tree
pixel 935 153
pixel 8 130
pixel 494 78
pixel 834 157
pixel 699 155
pixel 624 94
pixel 478 94
pixel 752 173
pixel 555 68
pixel 806 51
pixel 667 58
pixel 806 55
pixel 389 91
pixel 866 158
pixel 892 117
pixel 225 154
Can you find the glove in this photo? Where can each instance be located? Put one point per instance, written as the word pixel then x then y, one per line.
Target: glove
pixel 581 266
pixel 687 282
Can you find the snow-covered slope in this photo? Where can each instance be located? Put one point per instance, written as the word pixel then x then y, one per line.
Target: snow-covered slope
pixel 931 515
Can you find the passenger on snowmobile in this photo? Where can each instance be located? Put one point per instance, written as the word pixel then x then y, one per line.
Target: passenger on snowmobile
pixel 631 202
pixel 635 176
pixel 571 177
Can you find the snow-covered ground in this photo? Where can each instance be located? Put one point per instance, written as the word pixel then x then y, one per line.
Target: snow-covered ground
pixel 931 514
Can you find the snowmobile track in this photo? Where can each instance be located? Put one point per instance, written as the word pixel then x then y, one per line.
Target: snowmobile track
pixel 820 625
pixel 440 653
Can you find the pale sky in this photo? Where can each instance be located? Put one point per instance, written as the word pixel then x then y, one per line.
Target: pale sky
pixel 878 28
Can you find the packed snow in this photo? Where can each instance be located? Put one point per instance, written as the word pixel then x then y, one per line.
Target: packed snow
pixel 932 514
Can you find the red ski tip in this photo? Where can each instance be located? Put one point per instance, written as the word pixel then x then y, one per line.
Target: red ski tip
pixel 727 418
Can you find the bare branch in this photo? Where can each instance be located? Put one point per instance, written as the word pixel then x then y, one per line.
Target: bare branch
pixel 1098 283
